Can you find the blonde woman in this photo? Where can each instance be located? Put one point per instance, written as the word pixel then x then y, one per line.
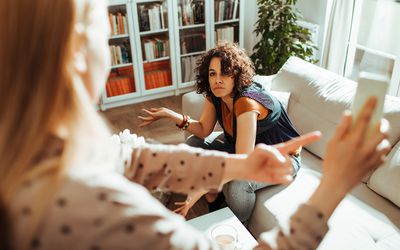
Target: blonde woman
pixel 65 185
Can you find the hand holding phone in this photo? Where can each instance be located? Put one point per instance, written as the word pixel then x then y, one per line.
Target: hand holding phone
pixel 369 85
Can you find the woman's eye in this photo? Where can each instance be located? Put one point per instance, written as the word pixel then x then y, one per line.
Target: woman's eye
pixel 212 74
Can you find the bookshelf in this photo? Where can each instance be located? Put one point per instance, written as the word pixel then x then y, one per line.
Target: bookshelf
pixel 192 37
pixel 121 83
pixel 227 21
pixel 196 25
pixel 155 45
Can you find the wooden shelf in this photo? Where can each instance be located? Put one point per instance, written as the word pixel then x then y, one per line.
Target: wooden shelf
pixel 227 21
pixel 192 26
pixel 121 65
pixel 193 53
pixel 119 36
pixel 157 59
pixel 151 32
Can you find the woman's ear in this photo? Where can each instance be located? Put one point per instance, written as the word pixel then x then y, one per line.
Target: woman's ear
pixel 80 54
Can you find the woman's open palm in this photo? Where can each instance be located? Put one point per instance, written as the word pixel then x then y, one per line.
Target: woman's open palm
pixel 153 115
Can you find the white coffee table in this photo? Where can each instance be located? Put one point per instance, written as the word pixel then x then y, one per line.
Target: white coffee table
pixel 207 222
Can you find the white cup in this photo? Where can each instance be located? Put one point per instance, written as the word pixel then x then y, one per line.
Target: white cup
pixel 226 236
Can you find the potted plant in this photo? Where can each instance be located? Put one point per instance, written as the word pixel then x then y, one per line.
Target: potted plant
pixel 281 36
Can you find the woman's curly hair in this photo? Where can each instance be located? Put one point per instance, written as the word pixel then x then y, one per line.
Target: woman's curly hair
pixel 234 62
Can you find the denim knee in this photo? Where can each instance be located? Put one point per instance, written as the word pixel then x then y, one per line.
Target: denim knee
pixel 237 187
pixel 296 164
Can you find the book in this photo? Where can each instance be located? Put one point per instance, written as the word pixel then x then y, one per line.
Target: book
pixel 125 22
pixel 235 8
pixel 120 24
pixel 162 17
pixel 144 22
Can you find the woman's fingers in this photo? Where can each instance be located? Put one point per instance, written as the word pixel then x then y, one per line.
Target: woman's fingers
pixel 143 124
pixel 180 203
pixel 145 118
pixel 363 121
pixel 285 179
pixel 274 173
pixel 375 141
pixel 344 126
pixel 178 210
pixel 282 170
pixel 295 143
pixel 378 158
pixel 148 112
pixel 377 138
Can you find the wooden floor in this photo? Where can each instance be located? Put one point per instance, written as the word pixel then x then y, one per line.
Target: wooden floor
pixel 163 130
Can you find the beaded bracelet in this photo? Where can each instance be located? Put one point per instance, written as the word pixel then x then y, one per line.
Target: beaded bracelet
pixel 183 122
pixel 188 120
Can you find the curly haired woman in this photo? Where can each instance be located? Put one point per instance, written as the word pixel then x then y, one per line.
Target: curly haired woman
pixel 247 113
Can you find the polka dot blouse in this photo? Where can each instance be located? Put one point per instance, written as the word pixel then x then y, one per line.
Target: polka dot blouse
pixel 104 202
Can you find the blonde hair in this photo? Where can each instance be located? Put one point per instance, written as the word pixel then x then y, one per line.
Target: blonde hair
pixel 40 92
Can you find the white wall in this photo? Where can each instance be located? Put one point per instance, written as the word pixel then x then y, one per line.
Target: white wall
pixel 314 11
pixel 250 19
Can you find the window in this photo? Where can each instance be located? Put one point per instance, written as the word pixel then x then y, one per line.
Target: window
pixel 374 43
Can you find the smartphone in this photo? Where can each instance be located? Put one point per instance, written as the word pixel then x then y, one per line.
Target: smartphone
pixel 370 84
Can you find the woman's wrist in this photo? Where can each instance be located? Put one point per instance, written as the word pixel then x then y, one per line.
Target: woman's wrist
pixel 175 117
pixel 234 167
pixel 327 196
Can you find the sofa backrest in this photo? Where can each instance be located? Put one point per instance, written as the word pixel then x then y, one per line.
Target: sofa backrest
pixel 319 97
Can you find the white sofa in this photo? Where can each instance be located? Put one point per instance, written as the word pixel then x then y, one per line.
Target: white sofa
pixel 369 217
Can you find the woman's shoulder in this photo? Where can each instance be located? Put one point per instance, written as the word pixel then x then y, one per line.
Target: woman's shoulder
pixel 256 89
pixel 245 104
pixel 260 95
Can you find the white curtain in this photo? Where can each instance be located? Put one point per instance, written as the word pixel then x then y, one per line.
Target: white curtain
pixel 337 35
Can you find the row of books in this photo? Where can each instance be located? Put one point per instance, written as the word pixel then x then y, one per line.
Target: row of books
pixel 188 64
pixel 157 79
pixel 225 34
pixel 190 12
pixel 153 16
pixel 192 43
pixel 155 48
pixel 225 9
pixel 118 24
pixel 120 54
pixel 120 86
pixel 157 74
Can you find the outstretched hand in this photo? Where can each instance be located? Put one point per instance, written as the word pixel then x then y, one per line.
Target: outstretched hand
pixel 272 164
pixel 355 150
pixel 184 207
pixel 153 115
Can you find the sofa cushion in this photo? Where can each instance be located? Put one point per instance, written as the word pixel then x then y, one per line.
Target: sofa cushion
pixel 264 80
pixel 386 179
pixel 318 98
pixel 283 98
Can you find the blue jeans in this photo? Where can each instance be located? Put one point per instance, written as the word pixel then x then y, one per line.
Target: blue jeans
pixel 239 195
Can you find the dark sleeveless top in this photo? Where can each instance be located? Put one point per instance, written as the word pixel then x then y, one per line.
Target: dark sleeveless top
pixel 273 129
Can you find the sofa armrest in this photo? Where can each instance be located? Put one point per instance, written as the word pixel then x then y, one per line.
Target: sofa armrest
pixel 192 105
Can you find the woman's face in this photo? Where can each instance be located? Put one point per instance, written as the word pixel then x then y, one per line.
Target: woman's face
pixel 98 53
pixel 221 85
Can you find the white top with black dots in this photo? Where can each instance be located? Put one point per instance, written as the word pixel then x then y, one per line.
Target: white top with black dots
pixel 99 208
